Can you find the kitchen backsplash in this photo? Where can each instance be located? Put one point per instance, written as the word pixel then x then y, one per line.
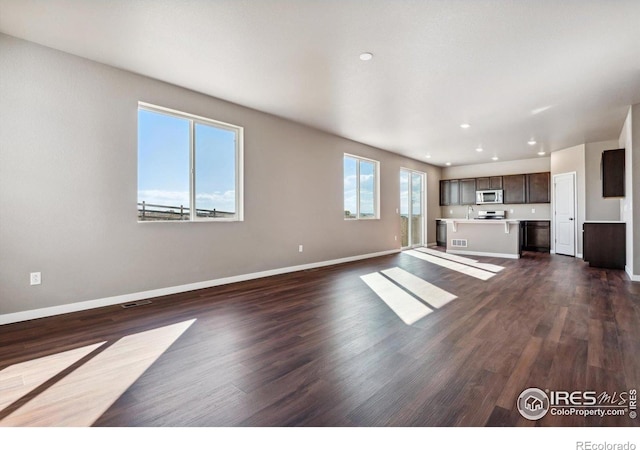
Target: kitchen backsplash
pixel 542 211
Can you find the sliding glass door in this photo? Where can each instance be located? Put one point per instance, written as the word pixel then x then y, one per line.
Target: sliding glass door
pixel 412 208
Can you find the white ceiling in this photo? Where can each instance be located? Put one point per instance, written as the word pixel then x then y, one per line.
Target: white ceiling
pixel 562 73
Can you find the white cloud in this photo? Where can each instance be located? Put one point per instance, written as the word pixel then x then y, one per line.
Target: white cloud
pixel 165 198
pixel 222 201
pixel 350 182
pixel 366 178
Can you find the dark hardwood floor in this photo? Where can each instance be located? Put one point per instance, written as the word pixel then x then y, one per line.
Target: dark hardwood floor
pixel 320 348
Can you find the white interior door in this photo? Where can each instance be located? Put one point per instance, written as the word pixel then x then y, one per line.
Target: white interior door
pixel 564 201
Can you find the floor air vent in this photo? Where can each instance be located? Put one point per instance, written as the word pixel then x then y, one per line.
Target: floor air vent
pixel 458 242
pixel 134 304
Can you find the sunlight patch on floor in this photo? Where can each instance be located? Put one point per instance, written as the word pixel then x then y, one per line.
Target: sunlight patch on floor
pixel 408 308
pixel 81 397
pixel 461 259
pixel 19 379
pixel 461 268
pixel 428 292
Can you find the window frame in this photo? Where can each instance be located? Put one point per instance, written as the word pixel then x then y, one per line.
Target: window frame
pixel 239 162
pixel 376 187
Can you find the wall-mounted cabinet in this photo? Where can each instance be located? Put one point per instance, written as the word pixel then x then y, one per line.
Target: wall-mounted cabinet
pixel 612 166
pixel 486 183
pixel 523 188
pixel 468 191
pixel 538 187
pixel 454 198
pixel 445 193
pixel 449 192
pixel 514 189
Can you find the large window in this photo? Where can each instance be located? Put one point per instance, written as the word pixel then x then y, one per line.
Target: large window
pixel 189 167
pixel 360 188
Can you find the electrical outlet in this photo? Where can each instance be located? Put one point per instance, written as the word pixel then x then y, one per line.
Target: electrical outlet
pixel 397 211
pixel 511 211
pixel 300 248
pixel 451 211
pixel 395 238
pixel 36 278
pixel 533 210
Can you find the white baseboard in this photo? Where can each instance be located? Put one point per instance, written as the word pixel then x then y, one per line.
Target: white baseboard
pixel 125 298
pixel 631 276
pixel 432 244
pixel 579 255
pixel 493 255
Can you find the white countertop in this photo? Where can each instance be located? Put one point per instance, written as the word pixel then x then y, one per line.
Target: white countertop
pixel 504 222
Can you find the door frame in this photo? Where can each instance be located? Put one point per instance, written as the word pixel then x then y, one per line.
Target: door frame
pixel 576 254
pixel 423 207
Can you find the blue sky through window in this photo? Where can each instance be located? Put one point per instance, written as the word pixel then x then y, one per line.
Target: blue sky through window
pixel 359 193
pixel 163 163
pixel 163 159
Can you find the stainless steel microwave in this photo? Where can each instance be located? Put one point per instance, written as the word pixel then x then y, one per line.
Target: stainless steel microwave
pixel 492 196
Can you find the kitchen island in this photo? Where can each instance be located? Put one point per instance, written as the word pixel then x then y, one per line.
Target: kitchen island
pixel 477 237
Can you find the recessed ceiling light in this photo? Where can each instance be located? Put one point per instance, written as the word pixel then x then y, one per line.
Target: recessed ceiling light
pixel 448 164
pixel 495 158
pixel 479 149
pixel 531 142
pixel 464 125
pixel 541 153
pixel 428 156
pixel 366 56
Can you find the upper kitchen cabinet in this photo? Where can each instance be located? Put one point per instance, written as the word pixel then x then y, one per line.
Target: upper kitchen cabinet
pixel 485 183
pixel 514 189
pixel 445 193
pixel 449 192
pixel 454 187
pixel 525 188
pixel 538 187
pixel 468 191
pixel 612 165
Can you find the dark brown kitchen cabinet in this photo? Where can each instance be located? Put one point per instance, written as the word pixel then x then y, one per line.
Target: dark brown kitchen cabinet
pixel 538 187
pixel 454 190
pixel 468 191
pixel 449 192
pixel 482 184
pixel 441 233
pixel 536 235
pixel 514 189
pixel 445 193
pixel 495 182
pixel 604 244
pixel 612 166
pixel 524 188
pixel 485 183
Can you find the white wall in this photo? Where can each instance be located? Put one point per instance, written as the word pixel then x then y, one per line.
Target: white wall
pixel 635 180
pixel 532 165
pixel 68 188
pixel 626 203
pixel 564 161
pixel 598 207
